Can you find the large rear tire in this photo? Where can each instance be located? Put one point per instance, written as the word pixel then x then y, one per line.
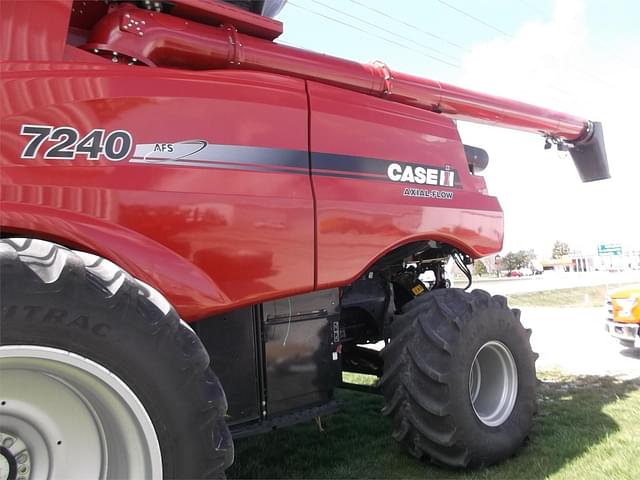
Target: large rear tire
pixel 100 377
pixel 459 378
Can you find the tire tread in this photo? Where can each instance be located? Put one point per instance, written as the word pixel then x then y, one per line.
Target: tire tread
pixel 423 420
pixel 56 266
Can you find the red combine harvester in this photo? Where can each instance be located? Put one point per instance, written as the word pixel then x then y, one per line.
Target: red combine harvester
pixel 177 188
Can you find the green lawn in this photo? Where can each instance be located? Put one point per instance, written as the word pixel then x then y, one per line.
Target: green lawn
pixel 587 427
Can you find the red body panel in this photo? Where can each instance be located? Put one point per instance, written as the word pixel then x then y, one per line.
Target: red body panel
pixel 248 220
pixel 358 219
pixel 33 30
pixel 248 233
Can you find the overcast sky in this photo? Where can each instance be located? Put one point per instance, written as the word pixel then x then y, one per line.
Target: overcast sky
pixel 577 56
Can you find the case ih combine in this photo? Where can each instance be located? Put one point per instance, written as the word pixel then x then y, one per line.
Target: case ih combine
pixel 177 187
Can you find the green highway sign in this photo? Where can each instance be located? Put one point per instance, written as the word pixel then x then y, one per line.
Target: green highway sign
pixel 609 249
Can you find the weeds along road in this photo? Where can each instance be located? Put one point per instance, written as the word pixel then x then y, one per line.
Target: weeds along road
pixel 573 340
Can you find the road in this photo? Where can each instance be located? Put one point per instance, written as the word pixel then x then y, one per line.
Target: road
pixel 574 340
pixel 571 339
pixel 552 281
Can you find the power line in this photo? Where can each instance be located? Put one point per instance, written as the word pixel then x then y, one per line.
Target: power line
pixel 378 27
pixel 424 32
pixel 467 14
pixel 354 27
pixel 564 92
pixel 373 35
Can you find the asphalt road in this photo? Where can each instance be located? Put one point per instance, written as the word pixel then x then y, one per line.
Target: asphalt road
pixel 574 341
pixel 552 281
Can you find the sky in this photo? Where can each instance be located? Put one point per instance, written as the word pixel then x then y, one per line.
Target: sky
pixel 577 56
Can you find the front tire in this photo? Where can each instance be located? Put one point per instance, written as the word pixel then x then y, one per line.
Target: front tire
pixel 100 377
pixel 460 380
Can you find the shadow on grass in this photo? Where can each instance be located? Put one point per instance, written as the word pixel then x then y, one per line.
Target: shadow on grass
pixel 356 442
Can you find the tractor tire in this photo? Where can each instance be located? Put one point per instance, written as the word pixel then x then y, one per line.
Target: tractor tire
pixel 100 377
pixel 459 378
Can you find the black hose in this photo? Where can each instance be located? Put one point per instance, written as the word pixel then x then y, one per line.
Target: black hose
pixel 457 257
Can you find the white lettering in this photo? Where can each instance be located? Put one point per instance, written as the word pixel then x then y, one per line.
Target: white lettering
pixel 432 176
pixel 393 172
pixel 407 175
pixel 420 175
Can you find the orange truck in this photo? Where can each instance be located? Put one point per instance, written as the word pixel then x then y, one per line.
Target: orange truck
pixel 623 315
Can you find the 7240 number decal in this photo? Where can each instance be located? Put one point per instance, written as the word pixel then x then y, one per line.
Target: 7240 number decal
pixel 114 146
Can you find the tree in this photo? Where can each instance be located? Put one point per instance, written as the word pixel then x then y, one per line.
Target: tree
pixel 560 249
pixel 515 260
pixel 510 261
pixel 479 268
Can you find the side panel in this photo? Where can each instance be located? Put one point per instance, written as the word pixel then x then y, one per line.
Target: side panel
pixel 33 30
pixel 367 202
pixel 234 343
pixel 302 366
pixel 217 173
pixel 278 362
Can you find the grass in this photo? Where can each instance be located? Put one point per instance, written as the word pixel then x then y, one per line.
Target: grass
pixel 587 427
pixel 563 297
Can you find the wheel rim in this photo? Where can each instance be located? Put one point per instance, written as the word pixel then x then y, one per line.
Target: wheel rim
pixel 493 383
pixel 65 416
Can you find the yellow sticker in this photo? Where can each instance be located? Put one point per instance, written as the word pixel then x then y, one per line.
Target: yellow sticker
pixel 417 290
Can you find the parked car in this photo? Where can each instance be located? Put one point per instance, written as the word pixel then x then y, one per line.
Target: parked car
pixel 623 315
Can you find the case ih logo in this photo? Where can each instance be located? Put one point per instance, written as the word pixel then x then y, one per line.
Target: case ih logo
pixel 421 175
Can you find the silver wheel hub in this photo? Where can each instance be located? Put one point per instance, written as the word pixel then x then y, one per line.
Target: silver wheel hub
pixel 64 416
pixel 15 458
pixel 5 466
pixel 493 383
